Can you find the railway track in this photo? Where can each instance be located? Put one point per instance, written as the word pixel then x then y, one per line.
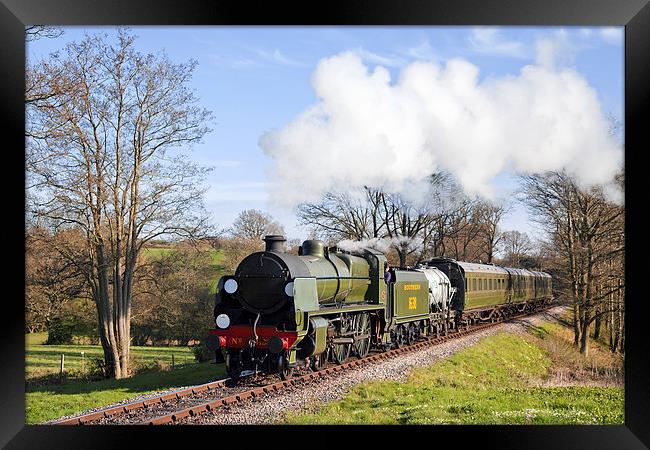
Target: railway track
pixel 193 401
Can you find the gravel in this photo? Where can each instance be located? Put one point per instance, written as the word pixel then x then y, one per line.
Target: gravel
pixel 273 407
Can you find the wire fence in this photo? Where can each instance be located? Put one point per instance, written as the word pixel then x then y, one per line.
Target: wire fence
pixel 82 365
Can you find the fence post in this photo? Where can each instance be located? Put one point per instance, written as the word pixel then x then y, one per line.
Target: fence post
pixel 172 361
pixel 62 368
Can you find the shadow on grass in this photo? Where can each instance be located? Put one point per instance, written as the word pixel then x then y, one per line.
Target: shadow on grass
pixel 148 380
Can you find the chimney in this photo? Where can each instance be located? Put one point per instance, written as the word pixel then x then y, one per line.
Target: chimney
pixel 274 243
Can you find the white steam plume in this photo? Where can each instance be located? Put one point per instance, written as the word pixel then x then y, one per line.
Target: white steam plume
pixel 365 130
pixel 380 244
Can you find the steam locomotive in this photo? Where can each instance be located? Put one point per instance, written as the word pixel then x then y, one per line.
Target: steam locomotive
pixel 279 310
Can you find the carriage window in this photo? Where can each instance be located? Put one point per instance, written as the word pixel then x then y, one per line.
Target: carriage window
pixel 490 284
pixel 474 284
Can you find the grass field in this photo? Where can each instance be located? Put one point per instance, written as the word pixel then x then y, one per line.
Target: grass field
pixel 45 403
pixel 42 360
pixel 504 379
pixel 47 400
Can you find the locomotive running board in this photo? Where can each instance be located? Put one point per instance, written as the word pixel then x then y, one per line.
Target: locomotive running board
pixel 324 310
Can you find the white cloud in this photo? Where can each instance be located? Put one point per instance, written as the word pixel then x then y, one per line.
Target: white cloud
pixel 555 50
pixel 277 57
pixel 489 41
pixel 423 51
pixel 376 58
pixel 367 129
pixel 612 35
pixel 255 57
pixel 231 63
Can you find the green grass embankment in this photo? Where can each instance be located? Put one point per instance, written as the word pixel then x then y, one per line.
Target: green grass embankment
pixel 45 399
pixel 504 379
pixel 49 402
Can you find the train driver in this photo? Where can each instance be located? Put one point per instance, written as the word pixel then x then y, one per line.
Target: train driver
pixel 388 275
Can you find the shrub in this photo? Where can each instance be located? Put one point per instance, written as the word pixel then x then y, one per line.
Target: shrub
pixel 201 352
pixel 59 332
pixel 96 369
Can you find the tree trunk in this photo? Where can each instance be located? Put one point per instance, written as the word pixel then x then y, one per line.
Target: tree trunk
pixel 584 339
pixel 598 321
pixel 112 324
pixel 576 323
pixel 402 256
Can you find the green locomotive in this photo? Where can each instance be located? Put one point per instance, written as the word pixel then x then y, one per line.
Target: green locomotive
pixel 281 310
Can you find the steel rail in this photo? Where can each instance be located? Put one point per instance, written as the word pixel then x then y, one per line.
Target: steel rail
pixel 139 404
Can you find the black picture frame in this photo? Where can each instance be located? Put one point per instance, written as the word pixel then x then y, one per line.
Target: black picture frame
pixel 633 14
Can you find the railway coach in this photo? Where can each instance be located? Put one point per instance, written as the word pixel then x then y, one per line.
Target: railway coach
pixel 487 292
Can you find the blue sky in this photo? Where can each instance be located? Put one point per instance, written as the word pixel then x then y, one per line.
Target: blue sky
pixel 257 79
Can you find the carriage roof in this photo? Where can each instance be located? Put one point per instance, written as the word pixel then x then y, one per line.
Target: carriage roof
pixel 481 268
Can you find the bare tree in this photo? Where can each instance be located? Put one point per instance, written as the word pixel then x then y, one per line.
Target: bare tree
pixel 516 245
pixel 343 216
pixel 111 169
pixel 35 32
pixel 588 231
pixel 414 229
pixel 52 279
pixel 172 301
pixel 463 230
pixel 255 224
pixel 407 225
pixel 489 216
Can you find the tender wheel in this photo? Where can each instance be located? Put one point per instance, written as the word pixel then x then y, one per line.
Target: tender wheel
pixel 401 334
pixel 411 334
